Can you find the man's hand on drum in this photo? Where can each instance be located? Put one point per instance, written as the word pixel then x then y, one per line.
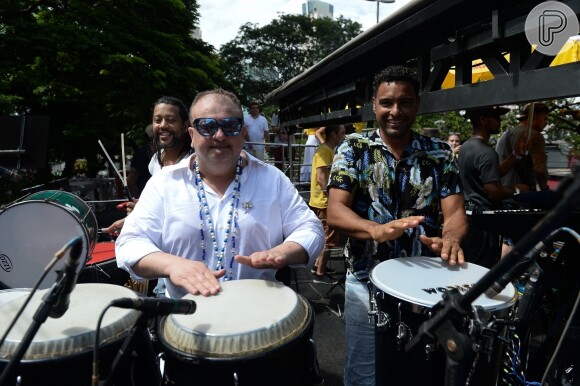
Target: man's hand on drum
pixel 194 276
pixel 448 248
pixel 393 229
pixel 264 259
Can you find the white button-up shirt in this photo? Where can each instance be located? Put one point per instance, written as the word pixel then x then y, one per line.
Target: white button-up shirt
pixel 167 218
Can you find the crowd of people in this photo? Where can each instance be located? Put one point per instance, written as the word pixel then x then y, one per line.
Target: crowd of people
pixel 214 211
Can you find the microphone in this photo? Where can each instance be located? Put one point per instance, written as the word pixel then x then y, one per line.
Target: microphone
pixel 70 277
pixel 529 297
pixel 520 267
pixel 157 306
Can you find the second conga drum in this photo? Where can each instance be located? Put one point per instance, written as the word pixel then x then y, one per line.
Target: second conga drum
pixel 61 352
pixel 254 332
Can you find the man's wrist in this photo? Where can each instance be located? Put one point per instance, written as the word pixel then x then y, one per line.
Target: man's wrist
pixel 516 190
pixel 516 156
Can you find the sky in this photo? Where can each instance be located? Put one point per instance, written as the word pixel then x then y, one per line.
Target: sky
pixel 220 20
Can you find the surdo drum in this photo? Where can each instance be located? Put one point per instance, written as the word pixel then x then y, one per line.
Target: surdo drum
pixel 254 332
pixel 34 229
pixel 403 295
pixel 61 352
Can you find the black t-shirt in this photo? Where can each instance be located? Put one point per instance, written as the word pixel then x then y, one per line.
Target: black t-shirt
pixel 478 164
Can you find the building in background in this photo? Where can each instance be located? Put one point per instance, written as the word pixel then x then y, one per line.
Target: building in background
pixel 196 34
pixel 316 9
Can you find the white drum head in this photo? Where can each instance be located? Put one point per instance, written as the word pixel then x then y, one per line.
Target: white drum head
pixel 8 295
pixel 422 281
pixel 247 317
pixel 74 332
pixel 30 235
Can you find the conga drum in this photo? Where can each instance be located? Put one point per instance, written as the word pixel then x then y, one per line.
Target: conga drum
pixel 404 291
pixel 253 333
pixel 34 229
pixel 61 352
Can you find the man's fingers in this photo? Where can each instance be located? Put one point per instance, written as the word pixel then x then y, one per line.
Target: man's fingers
pixel 262 260
pixel 200 281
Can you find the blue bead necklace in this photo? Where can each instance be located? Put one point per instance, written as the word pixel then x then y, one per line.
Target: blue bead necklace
pixel 232 222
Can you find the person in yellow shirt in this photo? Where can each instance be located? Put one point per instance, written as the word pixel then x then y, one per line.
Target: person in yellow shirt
pixel 321 163
pixel 315 138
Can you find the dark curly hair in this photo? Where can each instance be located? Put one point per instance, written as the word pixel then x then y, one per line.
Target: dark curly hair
pixel 184 146
pixel 396 74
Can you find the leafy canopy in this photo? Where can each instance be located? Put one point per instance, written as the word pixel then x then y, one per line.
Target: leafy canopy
pixel 95 67
pixel 261 59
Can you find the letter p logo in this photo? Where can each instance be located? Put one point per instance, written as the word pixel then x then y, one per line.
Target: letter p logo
pixel 549 25
pixel 552 22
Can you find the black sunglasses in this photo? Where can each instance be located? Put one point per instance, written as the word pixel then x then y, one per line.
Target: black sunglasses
pixel 207 127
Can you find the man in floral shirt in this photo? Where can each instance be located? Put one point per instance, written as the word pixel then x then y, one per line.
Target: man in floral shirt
pixel 386 191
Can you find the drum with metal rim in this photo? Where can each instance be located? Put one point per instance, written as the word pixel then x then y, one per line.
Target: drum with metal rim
pixel 34 229
pixel 405 291
pixel 61 352
pixel 254 332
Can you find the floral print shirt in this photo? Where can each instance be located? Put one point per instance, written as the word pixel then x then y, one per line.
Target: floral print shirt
pixel 385 189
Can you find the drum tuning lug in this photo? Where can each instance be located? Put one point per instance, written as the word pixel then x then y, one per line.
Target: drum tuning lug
pixel 236 379
pixel 404 334
pixel 384 320
pixel 373 309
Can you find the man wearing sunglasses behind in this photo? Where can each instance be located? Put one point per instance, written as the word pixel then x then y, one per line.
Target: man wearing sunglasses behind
pixel 224 216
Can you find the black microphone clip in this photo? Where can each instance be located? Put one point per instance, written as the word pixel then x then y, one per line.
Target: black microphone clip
pixel 67 277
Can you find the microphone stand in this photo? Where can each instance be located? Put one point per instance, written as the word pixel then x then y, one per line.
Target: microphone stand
pixel 42 313
pixel 443 326
pixel 153 375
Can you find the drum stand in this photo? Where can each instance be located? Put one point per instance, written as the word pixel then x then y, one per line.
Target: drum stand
pixel 454 306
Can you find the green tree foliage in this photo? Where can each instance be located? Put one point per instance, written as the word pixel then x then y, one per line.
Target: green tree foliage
pixel 260 59
pixel 564 120
pixel 95 67
pixel 446 123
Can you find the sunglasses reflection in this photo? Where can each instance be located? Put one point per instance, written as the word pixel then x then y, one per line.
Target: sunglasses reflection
pixel 208 127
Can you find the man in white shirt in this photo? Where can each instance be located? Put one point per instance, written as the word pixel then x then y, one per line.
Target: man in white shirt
pixel 224 216
pixel 257 128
